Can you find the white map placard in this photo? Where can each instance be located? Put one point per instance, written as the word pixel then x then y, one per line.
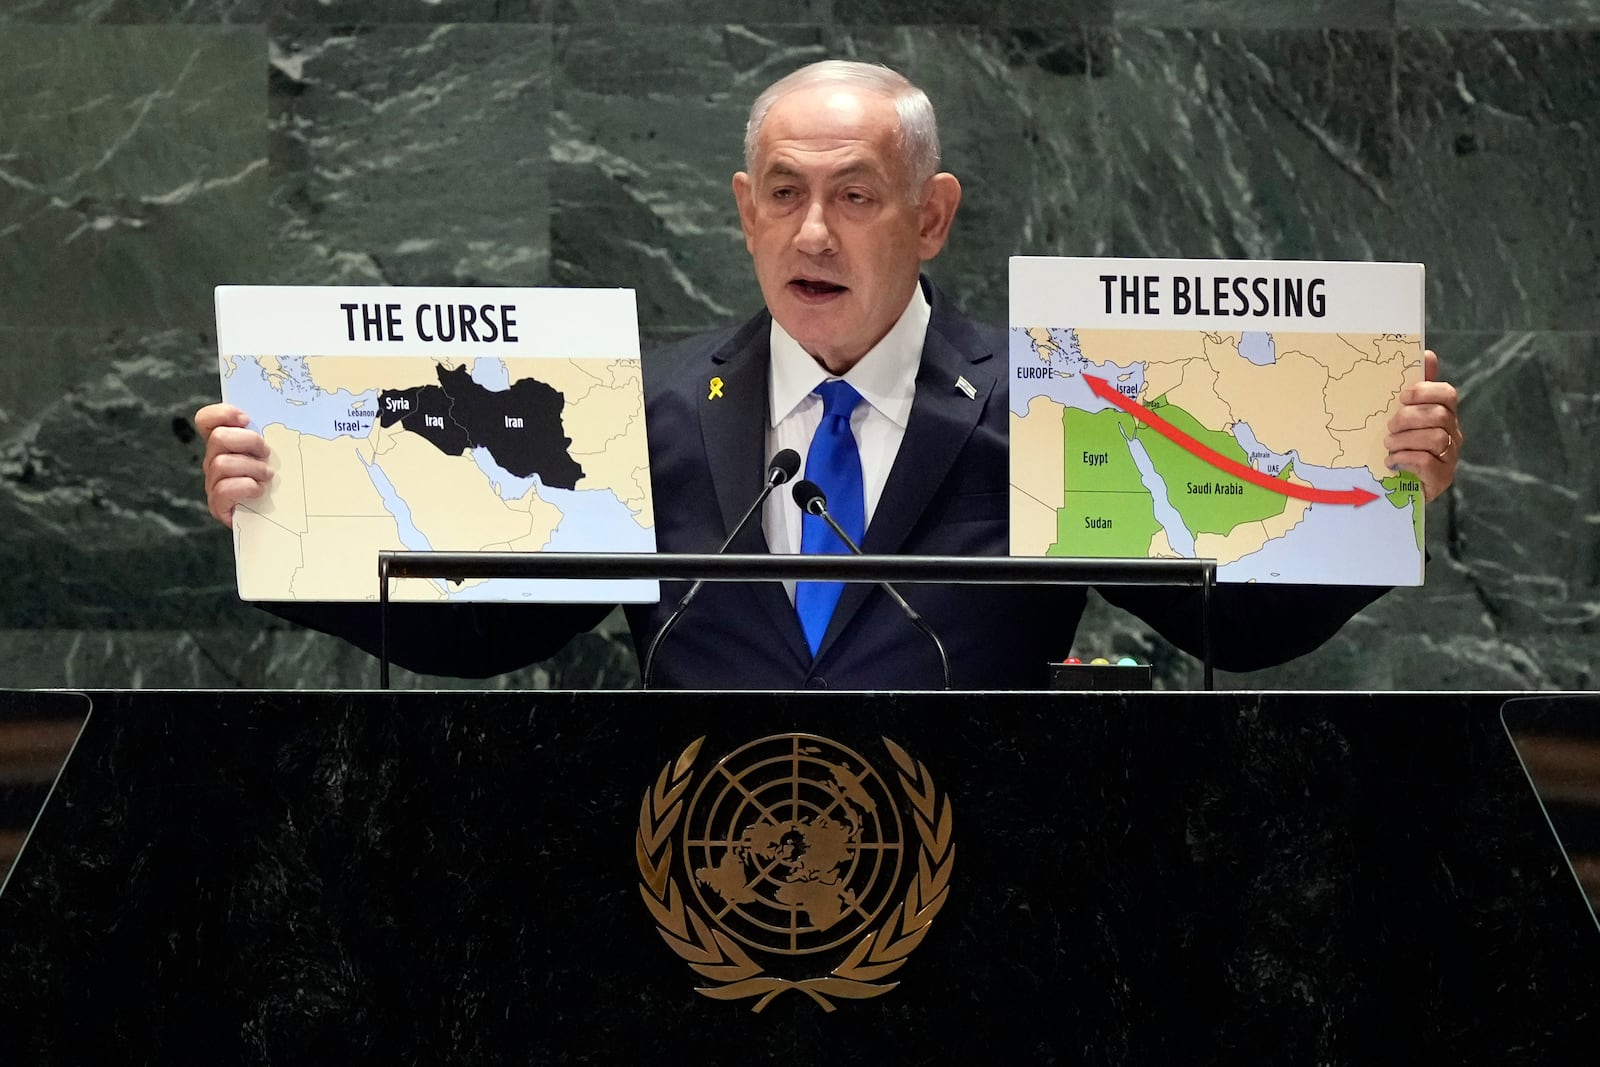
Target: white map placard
pixel 1213 409
pixel 437 419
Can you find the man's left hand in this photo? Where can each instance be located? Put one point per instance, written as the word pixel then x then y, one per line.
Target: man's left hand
pixel 1425 434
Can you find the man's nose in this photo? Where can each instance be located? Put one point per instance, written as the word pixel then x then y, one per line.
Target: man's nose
pixel 814 238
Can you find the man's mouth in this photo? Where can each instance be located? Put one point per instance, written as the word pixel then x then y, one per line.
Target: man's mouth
pixel 815 288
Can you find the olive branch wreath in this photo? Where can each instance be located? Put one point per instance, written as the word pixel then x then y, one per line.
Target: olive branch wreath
pixel 717 956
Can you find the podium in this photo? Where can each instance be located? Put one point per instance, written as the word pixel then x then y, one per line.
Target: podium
pixel 484 878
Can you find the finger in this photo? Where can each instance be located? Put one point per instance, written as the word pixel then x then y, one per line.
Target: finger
pixel 1423 417
pixel 231 440
pixel 229 494
pixel 233 465
pixel 1436 441
pixel 212 416
pixel 1441 393
pixel 1431 417
pixel 1430 366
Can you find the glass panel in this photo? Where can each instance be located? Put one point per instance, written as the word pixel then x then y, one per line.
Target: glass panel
pixel 37 735
pixel 1557 738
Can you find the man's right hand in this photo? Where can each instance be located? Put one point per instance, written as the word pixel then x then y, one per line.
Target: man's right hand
pixel 235 466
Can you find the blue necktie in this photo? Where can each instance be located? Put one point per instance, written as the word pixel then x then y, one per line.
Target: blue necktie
pixel 834 463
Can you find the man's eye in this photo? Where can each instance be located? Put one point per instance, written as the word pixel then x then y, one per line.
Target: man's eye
pixel 855 196
pixel 783 194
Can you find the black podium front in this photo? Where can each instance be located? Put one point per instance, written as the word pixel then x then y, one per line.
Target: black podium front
pixel 944 878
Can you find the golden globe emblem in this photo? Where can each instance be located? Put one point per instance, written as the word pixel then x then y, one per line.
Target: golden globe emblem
pixel 793 846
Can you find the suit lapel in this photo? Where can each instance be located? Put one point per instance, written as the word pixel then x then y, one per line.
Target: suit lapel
pixel 942 419
pixel 733 408
pixel 733 427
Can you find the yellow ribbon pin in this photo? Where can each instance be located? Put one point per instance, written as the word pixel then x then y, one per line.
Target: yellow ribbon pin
pixel 716 389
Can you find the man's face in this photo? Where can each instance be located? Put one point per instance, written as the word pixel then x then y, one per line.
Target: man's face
pixel 831 225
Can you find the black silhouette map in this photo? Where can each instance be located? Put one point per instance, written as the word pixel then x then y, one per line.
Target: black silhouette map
pixel 520 426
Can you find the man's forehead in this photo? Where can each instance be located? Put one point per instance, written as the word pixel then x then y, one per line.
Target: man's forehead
pixel 830 115
pixel 849 161
pixel 838 129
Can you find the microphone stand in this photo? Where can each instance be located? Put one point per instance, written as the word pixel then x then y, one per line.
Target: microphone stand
pixel 817 505
pixel 779 471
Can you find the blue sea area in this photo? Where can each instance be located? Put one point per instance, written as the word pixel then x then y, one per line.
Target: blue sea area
pixel 1066 385
pixel 1337 543
pixel 411 538
pixel 491 374
pixel 1259 348
pixel 297 403
pixel 1178 535
pixel 1262 458
pixel 593 520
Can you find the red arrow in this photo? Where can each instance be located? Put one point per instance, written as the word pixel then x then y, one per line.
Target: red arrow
pixel 1106 391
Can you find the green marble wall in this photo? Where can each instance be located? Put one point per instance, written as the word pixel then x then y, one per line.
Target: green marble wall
pixel 151 149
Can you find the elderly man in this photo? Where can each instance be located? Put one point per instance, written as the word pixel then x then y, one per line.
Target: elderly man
pixel 854 364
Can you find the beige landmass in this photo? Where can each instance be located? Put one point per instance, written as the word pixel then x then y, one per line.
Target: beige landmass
pixel 524 525
pixel 383 438
pixel 1198 394
pixel 1252 536
pixel 1161 548
pixel 1365 390
pixel 341 486
pixel 1367 373
pixel 452 504
pixel 1341 352
pixel 1162 378
pixel 572 378
pixel 285 502
pixel 543 518
pixel 1043 343
pixel 1126 347
pixel 1338 352
pixel 366 374
pixel 272 371
pixel 417 589
pixel 1363 446
pixel 1038 452
pixel 607 427
pixel 1283 403
pixel 268 555
pixel 1033 525
pixel 341 557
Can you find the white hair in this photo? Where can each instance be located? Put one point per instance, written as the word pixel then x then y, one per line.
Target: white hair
pixel 917 139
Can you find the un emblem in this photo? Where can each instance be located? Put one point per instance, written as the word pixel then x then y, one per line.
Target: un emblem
pixel 792 847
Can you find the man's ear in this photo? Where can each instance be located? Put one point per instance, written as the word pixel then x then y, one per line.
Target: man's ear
pixel 937 211
pixel 743 197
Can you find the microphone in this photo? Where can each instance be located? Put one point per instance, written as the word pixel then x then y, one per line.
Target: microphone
pixel 813 501
pixel 784 465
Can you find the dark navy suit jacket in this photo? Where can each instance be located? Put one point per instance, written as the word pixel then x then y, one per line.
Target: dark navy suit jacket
pixel 947 494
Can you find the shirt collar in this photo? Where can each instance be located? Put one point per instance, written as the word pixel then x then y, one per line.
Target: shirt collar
pixel 885 377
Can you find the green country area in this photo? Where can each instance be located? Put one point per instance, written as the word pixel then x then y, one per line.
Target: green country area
pixel 1097 458
pixel 1404 488
pixel 1105 525
pixel 1208 499
pixel 1106 510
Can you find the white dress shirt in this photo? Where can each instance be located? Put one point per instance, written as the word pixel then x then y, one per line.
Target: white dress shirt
pixel 886 379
